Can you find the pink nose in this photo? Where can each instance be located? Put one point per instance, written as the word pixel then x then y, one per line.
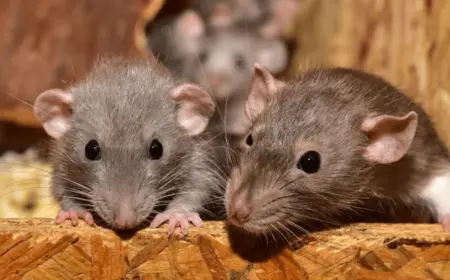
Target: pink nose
pixel 125 216
pixel 239 209
pixel 216 80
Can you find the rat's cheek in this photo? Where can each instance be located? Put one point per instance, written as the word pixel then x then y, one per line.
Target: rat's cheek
pixel 102 200
pixel 233 183
pixel 101 209
pixel 147 200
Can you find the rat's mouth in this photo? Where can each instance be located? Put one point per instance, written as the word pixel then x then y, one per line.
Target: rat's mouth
pixel 260 226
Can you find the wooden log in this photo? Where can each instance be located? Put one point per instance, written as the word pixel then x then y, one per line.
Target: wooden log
pixel 404 41
pixel 53 43
pixel 38 249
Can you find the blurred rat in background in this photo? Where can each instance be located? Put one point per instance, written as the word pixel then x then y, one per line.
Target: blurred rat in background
pixel 219 58
pixel 223 65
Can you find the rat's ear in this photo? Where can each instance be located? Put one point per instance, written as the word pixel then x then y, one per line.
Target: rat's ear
pixel 272 54
pixel 262 88
pixel 189 25
pixel 189 28
pixel 52 109
pixel 195 107
pixel 390 137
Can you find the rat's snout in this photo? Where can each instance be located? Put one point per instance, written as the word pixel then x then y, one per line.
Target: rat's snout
pixel 239 210
pixel 125 216
pixel 217 79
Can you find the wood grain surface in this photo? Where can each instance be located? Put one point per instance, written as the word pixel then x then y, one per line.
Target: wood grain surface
pixel 38 249
pixel 405 42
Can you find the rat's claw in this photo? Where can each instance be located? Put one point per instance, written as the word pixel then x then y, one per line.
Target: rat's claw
pixel 175 219
pixel 74 216
pixel 446 222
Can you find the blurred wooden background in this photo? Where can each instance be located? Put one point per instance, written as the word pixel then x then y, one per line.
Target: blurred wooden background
pixel 407 42
pixel 53 43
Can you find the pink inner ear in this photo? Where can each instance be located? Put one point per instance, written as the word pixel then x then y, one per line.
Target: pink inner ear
pixel 262 88
pixel 52 109
pixel 195 107
pixel 190 25
pixel 390 137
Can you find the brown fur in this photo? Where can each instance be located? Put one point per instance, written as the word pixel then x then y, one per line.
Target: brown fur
pixel 323 110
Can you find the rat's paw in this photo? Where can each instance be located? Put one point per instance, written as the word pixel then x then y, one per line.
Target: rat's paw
pixel 74 216
pixel 446 222
pixel 174 219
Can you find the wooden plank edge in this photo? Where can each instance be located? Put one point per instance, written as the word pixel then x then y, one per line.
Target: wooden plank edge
pixel 40 249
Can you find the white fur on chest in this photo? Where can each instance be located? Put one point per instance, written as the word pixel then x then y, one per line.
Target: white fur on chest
pixel 437 192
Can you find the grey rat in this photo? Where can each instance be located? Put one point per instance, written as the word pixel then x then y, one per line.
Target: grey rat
pixel 175 37
pixel 332 144
pixel 223 66
pixel 127 140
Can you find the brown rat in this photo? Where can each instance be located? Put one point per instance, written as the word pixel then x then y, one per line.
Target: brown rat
pixel 128 141
pixel 335 145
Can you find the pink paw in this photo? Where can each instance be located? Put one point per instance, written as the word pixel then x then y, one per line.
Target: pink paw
pixel 446 222
pixel 174 219
pixel 74 216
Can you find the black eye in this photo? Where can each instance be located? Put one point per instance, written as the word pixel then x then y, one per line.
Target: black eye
pixel 156 149
pixel 203 56
pixel 92 150
pixel 249 140
pixel 70 110
pixel 309 162
pixel 239 61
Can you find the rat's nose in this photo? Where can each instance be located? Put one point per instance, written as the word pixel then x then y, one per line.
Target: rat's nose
pixel 125 216
pixel 216 79
pixel 239 210
pixel 241 215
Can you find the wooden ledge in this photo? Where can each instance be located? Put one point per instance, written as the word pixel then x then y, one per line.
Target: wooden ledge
pixel 39 249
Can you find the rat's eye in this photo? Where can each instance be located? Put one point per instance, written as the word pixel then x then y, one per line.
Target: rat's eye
pixel 156 149
pixel 249 140
pixel 203 56
pixel 92 150
pixel 70 110
pixel 239 61
pixel 309 162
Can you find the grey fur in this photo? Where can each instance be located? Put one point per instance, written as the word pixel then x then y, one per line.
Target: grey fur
pixel 124 105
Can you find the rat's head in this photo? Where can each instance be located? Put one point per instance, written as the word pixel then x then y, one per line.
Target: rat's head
pixel 124 138
pixel 310 151
pixel 226 56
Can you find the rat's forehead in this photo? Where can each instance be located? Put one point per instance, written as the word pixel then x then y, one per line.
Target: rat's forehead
pixel 306 118
pixel 115 118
